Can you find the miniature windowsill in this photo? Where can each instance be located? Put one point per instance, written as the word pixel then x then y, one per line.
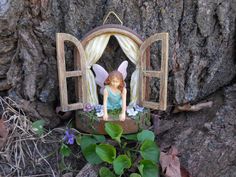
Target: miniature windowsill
pixel 90 123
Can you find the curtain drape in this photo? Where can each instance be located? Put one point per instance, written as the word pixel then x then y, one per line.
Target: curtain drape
pixel 94 50
pixel 131 50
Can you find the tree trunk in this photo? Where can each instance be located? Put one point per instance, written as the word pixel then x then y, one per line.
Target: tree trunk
pixel 201 61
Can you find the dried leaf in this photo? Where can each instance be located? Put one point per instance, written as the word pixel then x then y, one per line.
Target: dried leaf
pixel 170 163
pixel 3 133
pixel 184 172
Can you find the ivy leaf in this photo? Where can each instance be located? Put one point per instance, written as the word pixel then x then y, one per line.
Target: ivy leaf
pixel 106 152
pixel 130 137
pixel 146 135
pixel 135 175
pixel 38 127
pixel 148 168
pixel 120 163
pixel 100 138
pixel 105 172
pixel 86 141
pixel 114 131
pixel 65 150
pixel 90 154
pixel 150 151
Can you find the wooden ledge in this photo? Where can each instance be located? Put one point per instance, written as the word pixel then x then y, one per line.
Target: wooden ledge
pixel 129 125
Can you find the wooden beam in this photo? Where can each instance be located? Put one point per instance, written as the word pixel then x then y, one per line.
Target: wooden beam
pixel 152 73
pixel 73 106
pixel 61 67
pixel 151 105
pixel 164 69
pixel 73 73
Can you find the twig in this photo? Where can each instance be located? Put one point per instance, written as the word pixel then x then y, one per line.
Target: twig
pixel 20 135
pixel 38 175
pixel 44 159
pixel 193 108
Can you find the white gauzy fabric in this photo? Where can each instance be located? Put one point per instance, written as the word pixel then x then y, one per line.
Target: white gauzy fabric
pixel 131 50
pixel 94 50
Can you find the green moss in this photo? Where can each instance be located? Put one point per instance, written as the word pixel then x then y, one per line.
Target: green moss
pixel 114 114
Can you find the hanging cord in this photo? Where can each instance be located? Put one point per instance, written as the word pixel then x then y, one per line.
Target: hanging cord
pixel 112 12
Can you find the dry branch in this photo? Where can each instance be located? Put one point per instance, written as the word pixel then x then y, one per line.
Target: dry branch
pixel 193 108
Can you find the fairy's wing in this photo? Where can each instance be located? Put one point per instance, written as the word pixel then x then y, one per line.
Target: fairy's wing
pixel 123 68
pixel 101 76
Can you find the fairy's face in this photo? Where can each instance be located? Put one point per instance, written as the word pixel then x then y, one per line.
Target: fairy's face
pixel 115 82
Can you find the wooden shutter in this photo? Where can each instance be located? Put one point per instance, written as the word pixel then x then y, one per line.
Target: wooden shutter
pixel 147 74
pixel 63 74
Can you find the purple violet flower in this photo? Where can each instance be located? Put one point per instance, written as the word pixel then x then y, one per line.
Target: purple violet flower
pixel 69 137
pixel 88 107
pixel 98 108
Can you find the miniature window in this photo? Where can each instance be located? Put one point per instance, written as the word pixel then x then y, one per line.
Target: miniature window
pixel 89 52
pixel 65 75
pixel 151 76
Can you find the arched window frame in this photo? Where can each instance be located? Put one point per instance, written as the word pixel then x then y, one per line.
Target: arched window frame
pixel 80 70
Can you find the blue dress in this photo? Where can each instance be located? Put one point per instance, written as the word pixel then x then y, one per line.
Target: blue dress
pixel 114 100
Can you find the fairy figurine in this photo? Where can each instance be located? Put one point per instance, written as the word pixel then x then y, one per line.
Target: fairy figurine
pixel 113 88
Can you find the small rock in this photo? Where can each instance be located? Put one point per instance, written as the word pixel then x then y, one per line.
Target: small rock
pixel 88 170
pixel 68 175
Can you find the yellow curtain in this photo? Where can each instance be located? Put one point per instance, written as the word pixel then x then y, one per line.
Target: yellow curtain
pixel 94 50
pixel 131 50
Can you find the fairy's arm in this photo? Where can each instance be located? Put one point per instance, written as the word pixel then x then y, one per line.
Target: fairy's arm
pixel 105 96
pixel 123 96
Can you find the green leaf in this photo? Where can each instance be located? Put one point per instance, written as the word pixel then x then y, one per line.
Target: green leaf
pixel 128 153
pixel 130 137
pixel 146 135
pixel 120 163
pixel 90 154
pixel 62 166
pixel 38 126
pixel 114 130
pixel 148 168
pixel 105 172
pixel 86 141
pixel 150 151
pixel 106 152
pixel 88 146
pixel 140 168
pixel 65 150
pixel 78 139
pixel 100 138
pixel 135 175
